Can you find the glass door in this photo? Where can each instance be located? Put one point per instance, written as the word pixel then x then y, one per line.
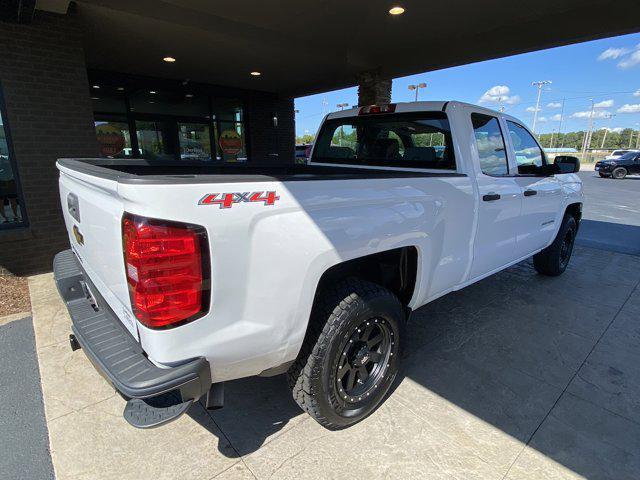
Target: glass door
pixel 156 139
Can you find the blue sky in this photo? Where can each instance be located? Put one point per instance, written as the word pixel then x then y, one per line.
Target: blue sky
pixel 607 71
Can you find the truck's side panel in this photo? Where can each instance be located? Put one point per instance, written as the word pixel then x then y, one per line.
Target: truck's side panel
pixel 267 260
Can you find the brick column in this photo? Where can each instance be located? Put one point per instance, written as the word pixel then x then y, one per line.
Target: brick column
pixel 373 89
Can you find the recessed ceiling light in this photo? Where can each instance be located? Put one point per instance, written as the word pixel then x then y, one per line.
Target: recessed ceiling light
pixel 189 95
pixel 120 89
pixel 396 11
pixel 95 98
pixel 96 86
pixel 169 59
pixel 152 92
pixel 256 74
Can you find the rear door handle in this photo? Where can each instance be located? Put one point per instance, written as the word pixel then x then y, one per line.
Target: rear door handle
pixel 490 197
pixel 530 193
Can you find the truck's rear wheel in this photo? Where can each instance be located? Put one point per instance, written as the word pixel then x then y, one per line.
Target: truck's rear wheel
pixel 351 353
pixel 554 259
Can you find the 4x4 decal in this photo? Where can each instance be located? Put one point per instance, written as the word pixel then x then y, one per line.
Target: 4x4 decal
pixel 226 200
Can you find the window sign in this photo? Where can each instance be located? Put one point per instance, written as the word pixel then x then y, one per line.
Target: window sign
pixel 113 139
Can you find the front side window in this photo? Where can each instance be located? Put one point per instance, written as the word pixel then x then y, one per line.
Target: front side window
pixel 490 143
pixel 529 155
pixel 11 212
pixel 408 140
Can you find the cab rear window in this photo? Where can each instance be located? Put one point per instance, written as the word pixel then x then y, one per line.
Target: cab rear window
pixel 408 140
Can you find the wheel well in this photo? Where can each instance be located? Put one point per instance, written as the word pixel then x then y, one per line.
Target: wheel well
pixel 575 210
pixel 393 269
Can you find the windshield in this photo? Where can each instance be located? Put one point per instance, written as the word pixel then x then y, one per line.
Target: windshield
pixel 410 140
pixel 628 156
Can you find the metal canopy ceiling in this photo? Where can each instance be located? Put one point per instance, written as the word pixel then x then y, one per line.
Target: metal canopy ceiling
pixel 304 47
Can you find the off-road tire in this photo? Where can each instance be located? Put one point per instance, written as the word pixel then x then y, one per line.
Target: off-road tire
pixel 339 309
pixel 619 173
pixel 553 260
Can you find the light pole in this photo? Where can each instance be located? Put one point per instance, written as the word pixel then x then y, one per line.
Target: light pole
pixel 417 87
pixel 342 105
pixel 604 137
pixel 586 142
pixel 538 84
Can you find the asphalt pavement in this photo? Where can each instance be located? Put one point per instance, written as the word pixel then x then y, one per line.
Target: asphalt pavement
pixel 24 440
pixel 611 214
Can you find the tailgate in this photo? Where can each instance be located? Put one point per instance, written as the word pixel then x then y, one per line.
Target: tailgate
pixel 93 214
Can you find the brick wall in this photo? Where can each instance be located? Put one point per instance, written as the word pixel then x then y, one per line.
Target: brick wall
pixel 44 81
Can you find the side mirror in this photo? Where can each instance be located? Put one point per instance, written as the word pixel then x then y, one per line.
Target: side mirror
pixel 567 164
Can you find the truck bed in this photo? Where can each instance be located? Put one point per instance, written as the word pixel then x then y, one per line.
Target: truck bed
pixel 143 171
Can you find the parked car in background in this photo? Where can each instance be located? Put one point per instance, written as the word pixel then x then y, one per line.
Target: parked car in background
pixel 627 164
pixel 618 153
pixel 181 276
pixel 303 152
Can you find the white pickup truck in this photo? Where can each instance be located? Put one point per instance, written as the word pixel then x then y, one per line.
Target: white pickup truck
pixel 183 276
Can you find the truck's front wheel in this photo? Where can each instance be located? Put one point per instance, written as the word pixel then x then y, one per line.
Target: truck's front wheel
pixel 554 259
pixel 351 352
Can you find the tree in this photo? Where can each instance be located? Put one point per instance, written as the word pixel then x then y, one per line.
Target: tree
pixel 305 139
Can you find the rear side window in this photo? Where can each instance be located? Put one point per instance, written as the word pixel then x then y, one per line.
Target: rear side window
pixel 529 155
pixel 490 143
pixel 409 140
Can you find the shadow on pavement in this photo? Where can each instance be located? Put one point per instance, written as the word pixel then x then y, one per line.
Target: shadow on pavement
pixel 507 351
pixel 615 237
pixel 256 408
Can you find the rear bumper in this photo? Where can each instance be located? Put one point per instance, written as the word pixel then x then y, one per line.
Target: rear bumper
pixel 112 349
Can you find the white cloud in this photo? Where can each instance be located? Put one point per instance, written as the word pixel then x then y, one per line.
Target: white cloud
pixel 629 108
pixel 542 119
pixel 533 109
pixel 557 117
pixel 632 60
pixel 613 53
pixel 554 105
pixel 628 57
pixel 596 114
pixel 614 130
pixel 604 104
pixel 637 93
pixel 499 94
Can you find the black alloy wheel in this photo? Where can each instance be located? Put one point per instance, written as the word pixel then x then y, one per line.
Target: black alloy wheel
pixel 364 361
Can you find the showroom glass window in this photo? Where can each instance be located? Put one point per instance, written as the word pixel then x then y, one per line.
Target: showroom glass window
pixel 11 204
pixel 164 123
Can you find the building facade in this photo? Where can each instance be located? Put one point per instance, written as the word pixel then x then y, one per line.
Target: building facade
pixel 53 105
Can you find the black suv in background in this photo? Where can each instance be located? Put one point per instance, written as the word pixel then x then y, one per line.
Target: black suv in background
pixel 627 164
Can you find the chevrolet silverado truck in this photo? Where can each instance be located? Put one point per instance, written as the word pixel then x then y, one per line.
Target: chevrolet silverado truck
pixel 183 276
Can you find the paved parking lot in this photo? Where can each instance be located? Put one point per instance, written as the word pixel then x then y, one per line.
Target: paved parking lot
pixel 517 377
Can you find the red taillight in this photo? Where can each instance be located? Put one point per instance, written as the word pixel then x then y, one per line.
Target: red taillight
pixel 167 270
pixel 373 109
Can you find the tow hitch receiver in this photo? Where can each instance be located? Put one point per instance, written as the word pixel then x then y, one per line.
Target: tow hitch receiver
pixel 73 342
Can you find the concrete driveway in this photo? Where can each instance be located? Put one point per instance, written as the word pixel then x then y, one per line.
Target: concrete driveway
pixel 519 377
